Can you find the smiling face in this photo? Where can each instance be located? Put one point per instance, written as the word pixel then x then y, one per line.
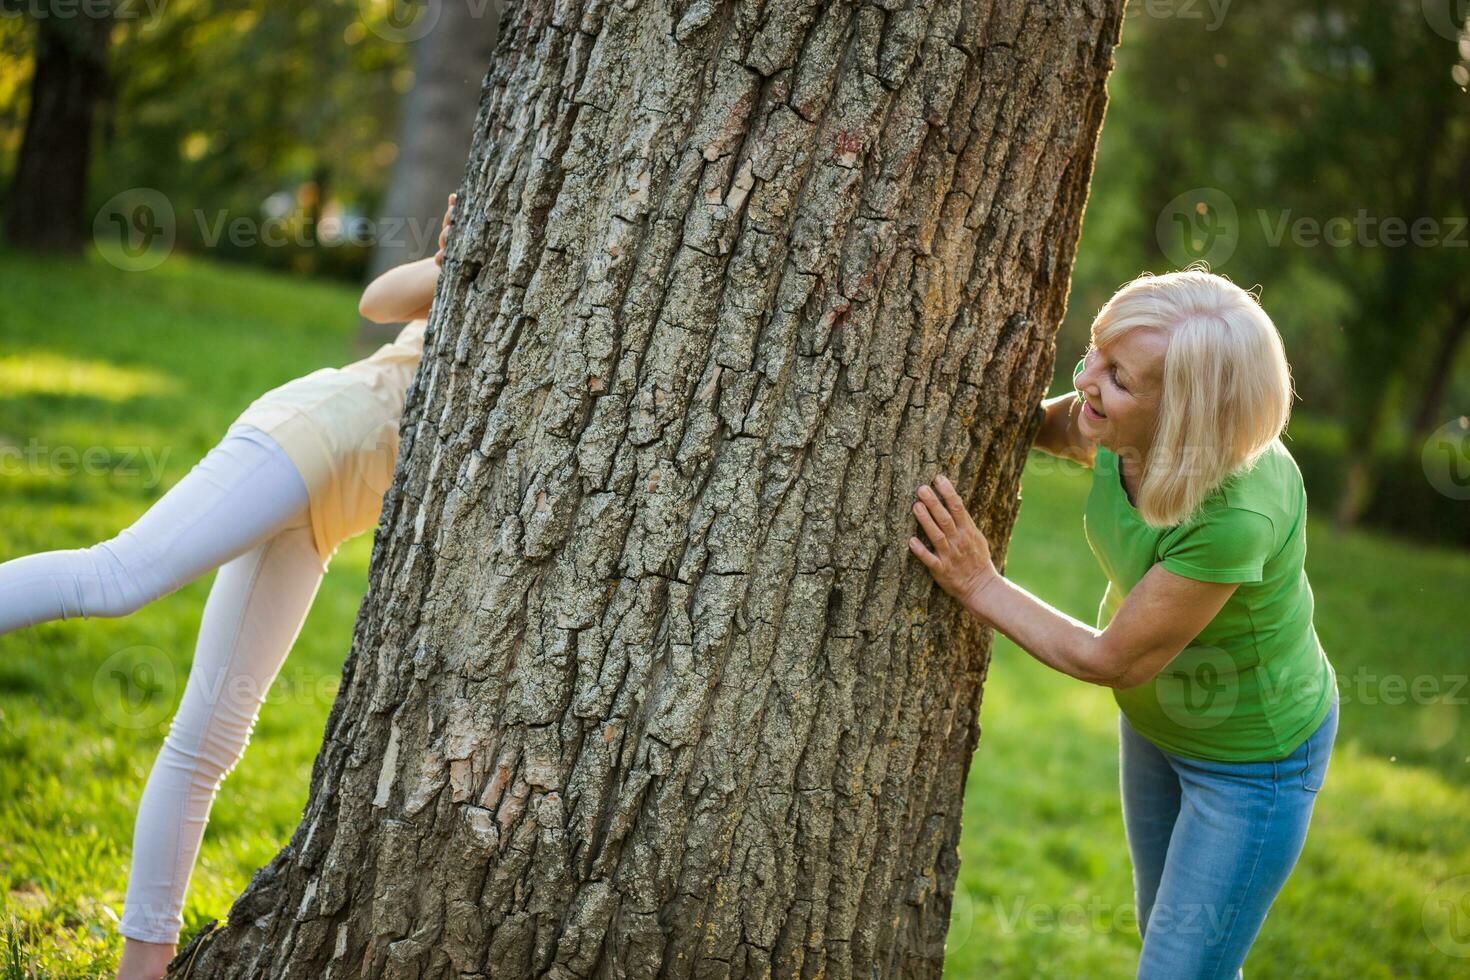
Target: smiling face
pixel 1122 384
pixel 1229 390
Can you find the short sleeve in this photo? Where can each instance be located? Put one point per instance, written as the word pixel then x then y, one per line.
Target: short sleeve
pixel 411 337
pixel 1230 544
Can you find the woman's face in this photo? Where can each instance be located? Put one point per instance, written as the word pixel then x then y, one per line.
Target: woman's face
pixel 1121 384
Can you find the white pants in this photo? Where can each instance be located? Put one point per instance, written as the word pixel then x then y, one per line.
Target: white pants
pixel 243 510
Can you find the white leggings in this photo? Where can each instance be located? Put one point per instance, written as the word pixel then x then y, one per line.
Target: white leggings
pixel 243 510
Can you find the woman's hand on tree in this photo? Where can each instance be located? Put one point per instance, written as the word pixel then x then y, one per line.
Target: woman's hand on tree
pixel 444 234
pixel 960 561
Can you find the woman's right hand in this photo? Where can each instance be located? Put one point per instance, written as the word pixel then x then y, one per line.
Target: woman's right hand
pixel 1060 435
pixel 444 234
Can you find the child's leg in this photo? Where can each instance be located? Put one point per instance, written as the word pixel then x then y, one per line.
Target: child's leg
pixel 240 493
pixel 252 617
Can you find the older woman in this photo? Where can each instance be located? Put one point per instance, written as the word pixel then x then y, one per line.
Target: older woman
pixel 1197 516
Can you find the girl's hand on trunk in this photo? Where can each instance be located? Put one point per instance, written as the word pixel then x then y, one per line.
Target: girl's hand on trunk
pixel 960 561
pixel 444 234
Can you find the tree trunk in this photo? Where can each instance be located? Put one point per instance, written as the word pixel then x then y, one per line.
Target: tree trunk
pixel 434 134
pixel 1380 337
pixel 48 193
pixel 1441 367
pixel 318 188
pixel 646 682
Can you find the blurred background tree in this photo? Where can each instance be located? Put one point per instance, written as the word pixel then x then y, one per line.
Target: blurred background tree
pixel 1317 148
pixel 434 132
pixel 69 82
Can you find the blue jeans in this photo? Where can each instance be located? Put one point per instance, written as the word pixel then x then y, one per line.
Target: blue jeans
pixel 1212 844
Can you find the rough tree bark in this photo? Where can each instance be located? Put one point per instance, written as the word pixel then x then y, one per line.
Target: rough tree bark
pixel 646 683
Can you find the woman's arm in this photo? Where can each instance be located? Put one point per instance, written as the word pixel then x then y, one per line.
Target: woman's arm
pixel 1060 434
pixel 1161 616
pixel 405 292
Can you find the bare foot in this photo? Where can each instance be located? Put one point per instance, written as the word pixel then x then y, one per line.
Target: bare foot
pixel 144 961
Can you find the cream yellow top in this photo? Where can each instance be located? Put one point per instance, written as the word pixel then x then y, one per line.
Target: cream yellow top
pixel 340 428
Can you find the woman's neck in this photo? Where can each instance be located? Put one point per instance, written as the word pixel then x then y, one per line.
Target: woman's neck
pixel 1130 472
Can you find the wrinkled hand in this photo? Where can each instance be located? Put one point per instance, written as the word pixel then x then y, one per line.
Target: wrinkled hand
pixel 444 234
pixel 960 561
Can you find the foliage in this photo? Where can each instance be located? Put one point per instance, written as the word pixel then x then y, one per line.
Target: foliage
pixel 1318 149
pixel 245 112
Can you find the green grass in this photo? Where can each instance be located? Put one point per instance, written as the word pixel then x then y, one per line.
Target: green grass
pixel 95 360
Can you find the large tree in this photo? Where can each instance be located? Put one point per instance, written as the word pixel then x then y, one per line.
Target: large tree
pixel 646 682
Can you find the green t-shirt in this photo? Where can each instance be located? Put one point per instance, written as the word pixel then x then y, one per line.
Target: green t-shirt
pixel 1255 682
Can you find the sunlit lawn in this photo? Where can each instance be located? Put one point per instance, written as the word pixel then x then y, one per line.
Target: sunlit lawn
pixel 113 384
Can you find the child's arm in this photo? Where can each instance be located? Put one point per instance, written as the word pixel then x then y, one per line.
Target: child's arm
pixel 405 292
pixel 401 294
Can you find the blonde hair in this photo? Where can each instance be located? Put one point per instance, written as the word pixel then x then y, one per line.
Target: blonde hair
pixel 1227 389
